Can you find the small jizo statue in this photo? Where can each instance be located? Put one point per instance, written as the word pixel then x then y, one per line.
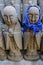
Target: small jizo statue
pixel 13 35
pixel 32 27
pixel 2 46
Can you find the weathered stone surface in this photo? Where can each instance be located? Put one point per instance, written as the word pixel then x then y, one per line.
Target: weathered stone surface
pixel 27 1
pixel 40 2
pixel 23 62
pixel 17 6
pixel 1 1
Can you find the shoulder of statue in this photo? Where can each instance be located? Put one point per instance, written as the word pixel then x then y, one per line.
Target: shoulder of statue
pixel 4 27
pixel 18 27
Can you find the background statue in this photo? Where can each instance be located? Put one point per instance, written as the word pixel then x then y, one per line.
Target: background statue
pixel 40 3
pixel 32 27
pixel 41 47
pixel 13 36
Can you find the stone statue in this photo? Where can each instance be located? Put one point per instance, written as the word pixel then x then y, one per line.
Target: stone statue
pixel 32 27
pixel 13 35
pixel 2 46
pixel 41 47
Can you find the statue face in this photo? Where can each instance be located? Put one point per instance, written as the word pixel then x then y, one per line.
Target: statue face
pixel 33 14
pixel 10 15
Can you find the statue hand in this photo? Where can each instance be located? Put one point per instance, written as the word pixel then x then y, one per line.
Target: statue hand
pixel 11 32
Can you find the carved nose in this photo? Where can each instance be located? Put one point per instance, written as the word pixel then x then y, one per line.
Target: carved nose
pixel 33 18
pixel 8 19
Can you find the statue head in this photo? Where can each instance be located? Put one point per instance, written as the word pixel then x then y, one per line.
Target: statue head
pixel 33 14
pixel 32 19
pixel 10 15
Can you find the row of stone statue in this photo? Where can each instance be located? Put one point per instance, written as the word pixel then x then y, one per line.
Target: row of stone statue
pixel 11 34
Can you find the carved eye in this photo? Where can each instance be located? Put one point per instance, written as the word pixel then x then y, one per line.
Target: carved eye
pixel 11 17
pixel 37 16
pixel 5 17
pixel 30 16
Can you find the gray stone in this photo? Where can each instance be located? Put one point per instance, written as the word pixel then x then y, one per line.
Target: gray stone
pixel 17 6
pixel 27 1
pixel 23 62
pixel 40 2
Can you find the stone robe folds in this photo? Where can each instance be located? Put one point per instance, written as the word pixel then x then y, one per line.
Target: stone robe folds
pixel 1 40
pixel 29 39
pixel 15 40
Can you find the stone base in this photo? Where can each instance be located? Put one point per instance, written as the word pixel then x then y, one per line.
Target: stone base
pixel 3 57
pixel 42 57
pixel 31 57
pixel 15 58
